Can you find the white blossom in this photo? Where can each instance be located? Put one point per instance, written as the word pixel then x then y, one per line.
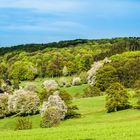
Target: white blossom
pixel 94 68
pixel 76 81
pixel 55 101
pixel 23 102
pixel 50 84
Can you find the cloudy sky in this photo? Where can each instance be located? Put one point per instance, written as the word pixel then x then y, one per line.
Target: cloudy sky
pixel 42 21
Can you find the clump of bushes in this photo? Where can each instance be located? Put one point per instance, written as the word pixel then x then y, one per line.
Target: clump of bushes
pixel 117 98
pixel 4 105
pixel 64 82
pixel 51 117
pixel 55 101
pixel 23 123
pixel 91 91
pixel 23 103
pixel 53 111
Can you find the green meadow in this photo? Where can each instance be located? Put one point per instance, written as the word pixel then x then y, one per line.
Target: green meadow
pixel 95 124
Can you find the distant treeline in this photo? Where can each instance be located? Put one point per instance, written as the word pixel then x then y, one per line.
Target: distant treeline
pixel 131 43
pixel 36 47
pixel 26 62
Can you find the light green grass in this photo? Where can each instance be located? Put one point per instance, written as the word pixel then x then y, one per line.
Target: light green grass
pixel 71 90
pixel 75 89
pixel 95 124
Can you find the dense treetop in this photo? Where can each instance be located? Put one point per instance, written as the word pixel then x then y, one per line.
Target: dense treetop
pixel 26 62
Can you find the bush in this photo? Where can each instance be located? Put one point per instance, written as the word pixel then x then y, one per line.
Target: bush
pixel 4 105
pixel 23 123
pixel 44 94
pixel 78 95
pixel 31 88
pixel 65 96
pixel 76 81
pixel 50 85
pixel 51 117
pixel 72 114
pixel 117 98
pixel 24 103
pixel 91 91
pixel 55 101
pixel 83 76
pixel 62 82
pixel 137 95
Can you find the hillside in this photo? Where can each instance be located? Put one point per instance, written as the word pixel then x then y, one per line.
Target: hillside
pixel 95 83
pixel 95 123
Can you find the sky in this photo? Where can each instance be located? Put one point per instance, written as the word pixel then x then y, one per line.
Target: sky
pixel 43 21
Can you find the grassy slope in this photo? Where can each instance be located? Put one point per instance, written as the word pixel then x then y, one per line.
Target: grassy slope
pixel 95 124
pixel 71 90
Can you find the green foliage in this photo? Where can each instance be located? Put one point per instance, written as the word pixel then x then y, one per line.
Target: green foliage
pixel 65 71
pixel 26 62
pixel 137 84
pixel 127 66
pixel 91 91
pixel 117 98
pixel 131 72
pixel 51 117
pixel 105 77
pixel 4 106
pixel 65 96
pixel 44 95
pixel 23 123
pixel 22 71
pixel 83 77
pixel 72 114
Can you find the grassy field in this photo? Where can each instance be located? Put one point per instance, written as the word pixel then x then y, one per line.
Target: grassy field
pixel 71 90
pixel 95 124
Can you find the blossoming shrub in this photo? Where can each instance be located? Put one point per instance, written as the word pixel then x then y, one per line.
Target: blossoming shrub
pixel 51 85
pixel 55 101
pixel 91 78
pixel 76 81
pixel 24 103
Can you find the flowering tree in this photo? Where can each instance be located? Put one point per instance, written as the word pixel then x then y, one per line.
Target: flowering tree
pixel 24 103
pixel 95 67
pixel 50 85
pixel 55 101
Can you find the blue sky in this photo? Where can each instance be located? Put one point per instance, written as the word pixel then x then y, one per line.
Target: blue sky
pixel 42 21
